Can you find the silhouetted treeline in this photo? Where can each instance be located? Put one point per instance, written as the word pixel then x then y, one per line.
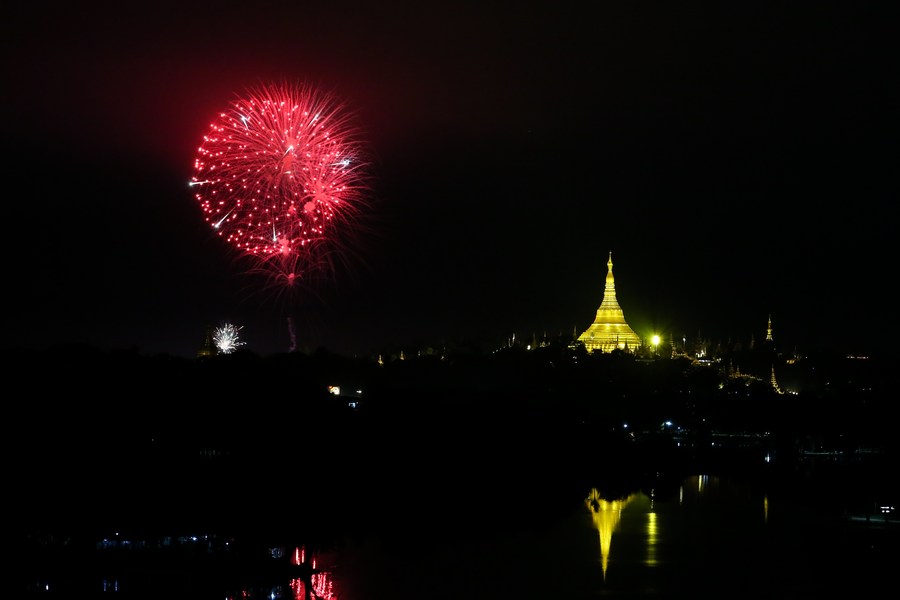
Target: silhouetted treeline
pixel 174 438
pixel 70 393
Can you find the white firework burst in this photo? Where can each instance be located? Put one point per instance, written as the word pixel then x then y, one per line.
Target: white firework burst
pixel 227 338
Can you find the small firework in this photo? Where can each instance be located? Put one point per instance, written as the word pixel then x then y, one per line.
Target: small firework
pixel 227 338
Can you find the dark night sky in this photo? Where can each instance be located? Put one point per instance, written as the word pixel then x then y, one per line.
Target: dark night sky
pixel 738 159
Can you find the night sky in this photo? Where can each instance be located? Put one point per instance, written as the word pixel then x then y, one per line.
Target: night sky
pixel 737 159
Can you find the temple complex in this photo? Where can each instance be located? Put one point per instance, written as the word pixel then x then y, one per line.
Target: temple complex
pixel 609 331
pixel 209 347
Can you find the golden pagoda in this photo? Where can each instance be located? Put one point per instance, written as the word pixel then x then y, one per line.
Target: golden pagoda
pixel 209 347
pixel 609 331
pixel 774 382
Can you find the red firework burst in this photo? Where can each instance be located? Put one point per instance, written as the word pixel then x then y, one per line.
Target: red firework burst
pixel 280 176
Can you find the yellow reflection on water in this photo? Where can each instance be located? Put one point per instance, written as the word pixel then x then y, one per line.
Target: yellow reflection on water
pixel 652 531
pixel 605 515
pixel 696 485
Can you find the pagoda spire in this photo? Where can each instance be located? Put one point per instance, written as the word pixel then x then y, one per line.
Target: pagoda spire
pixel 769 329
pixel 774 382
pixel 209 347
pixel 609 331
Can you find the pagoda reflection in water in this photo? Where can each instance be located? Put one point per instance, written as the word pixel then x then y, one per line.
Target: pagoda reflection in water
pixel 606 515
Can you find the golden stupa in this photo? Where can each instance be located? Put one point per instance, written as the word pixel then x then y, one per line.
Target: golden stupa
pixel 609 331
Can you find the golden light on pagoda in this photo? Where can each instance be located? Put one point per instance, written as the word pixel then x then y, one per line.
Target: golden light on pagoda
pixel 609 331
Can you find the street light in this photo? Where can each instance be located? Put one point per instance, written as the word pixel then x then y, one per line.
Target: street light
pixel 655 340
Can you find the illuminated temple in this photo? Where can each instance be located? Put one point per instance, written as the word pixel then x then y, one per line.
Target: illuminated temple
pixel 609 331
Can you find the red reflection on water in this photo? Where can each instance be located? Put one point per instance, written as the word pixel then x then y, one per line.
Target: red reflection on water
pixel 319 585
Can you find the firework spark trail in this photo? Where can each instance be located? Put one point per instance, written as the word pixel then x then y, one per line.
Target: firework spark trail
pixel 280 177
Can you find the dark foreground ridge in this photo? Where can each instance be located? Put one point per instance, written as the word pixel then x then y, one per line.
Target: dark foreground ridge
pixel 157 428
pixel 204 465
